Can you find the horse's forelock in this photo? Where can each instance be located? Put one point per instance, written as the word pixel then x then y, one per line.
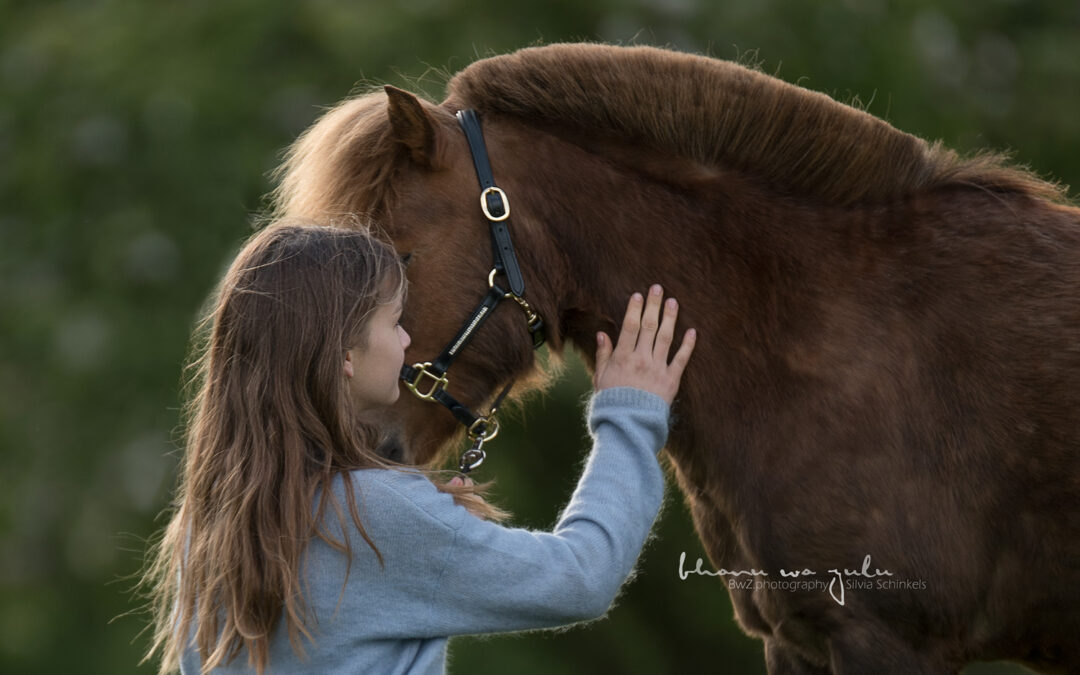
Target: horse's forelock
pixel 340 166
pixel 722 114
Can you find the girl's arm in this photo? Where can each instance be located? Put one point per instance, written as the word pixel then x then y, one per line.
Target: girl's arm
pixel 499 579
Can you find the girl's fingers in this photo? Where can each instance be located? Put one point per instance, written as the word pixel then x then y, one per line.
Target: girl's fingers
pixel 631 323
pixel 639 357
pixel 666 333
pixel 603 353
pixel 603 349
pixel 678 363
pixel 650 319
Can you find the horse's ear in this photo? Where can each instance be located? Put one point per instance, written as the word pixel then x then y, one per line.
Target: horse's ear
pixel 413 126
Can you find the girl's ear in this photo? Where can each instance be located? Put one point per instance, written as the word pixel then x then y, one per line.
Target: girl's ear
pixel 413 127
pixel 348 364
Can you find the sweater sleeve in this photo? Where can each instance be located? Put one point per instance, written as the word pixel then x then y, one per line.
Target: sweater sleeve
pixel 482 577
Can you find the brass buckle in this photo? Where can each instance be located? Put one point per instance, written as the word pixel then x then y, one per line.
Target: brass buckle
pixel 438 383
pixel 505 203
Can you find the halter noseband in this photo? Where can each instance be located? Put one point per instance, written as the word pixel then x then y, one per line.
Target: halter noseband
pixel 496 209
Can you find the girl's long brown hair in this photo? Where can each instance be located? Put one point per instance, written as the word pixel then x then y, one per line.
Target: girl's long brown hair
pixel 268 427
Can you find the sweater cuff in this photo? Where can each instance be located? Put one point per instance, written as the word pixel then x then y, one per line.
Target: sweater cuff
pixel 628 396
pixel 643 415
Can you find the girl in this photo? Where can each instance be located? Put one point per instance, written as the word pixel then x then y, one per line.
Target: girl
pixel 295 547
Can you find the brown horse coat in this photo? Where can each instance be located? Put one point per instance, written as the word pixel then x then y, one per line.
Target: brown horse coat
pixel 889 352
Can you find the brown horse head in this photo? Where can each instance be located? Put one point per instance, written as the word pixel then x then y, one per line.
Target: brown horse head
pixel 405 164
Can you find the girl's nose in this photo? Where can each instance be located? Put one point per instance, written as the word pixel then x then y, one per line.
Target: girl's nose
pixel 405 339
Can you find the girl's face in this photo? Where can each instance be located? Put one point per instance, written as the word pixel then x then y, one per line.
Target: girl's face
pixel 374 371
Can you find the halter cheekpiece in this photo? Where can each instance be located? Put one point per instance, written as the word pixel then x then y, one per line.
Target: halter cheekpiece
pixel 495 206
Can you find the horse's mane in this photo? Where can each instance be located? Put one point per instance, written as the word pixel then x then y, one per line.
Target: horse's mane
pixel 341 166
pixel 722 114
pixel 714 112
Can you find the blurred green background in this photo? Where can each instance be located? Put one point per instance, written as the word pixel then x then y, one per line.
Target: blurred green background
pixel 135 142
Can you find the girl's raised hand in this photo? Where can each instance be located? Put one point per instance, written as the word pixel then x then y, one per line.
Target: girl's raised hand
pixel 640 359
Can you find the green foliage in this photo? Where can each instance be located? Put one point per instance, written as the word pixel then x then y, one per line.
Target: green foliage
pixel 135 142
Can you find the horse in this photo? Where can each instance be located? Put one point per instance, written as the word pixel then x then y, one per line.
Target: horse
pixel 888 361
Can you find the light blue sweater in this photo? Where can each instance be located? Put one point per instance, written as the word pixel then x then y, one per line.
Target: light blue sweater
pixel 450 573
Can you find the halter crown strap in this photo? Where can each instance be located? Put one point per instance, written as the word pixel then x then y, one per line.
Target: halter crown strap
pixel 494 204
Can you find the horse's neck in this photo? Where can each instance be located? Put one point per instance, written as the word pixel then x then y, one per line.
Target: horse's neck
pixel 750 269
pixel 602 225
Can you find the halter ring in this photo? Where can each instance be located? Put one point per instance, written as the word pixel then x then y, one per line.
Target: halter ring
pixel 491 283
pixel 485 435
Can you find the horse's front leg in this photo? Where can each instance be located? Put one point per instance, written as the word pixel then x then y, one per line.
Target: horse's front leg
pixel 781 660
pixel 865 648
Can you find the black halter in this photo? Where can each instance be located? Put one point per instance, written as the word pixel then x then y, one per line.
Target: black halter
pixel 496 209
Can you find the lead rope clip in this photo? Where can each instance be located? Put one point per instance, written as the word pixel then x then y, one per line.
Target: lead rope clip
pixel 482 430
pixel 473 457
